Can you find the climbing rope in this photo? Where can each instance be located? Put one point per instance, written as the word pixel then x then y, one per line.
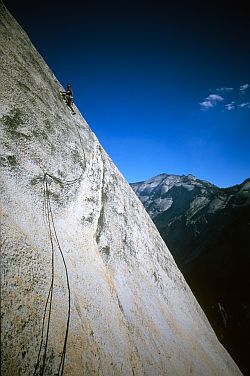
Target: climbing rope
pixel 48 305
pixel 46 321
pixel 61 366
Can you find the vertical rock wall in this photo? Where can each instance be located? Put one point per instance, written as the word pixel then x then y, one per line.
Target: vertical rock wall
pixel 88 287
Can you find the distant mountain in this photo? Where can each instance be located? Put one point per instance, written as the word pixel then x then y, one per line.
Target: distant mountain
pixel 207 229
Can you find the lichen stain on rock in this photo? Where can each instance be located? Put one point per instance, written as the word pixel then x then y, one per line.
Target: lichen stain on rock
pixel 12 122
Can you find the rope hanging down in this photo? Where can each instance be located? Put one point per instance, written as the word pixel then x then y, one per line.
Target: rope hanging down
pixel 54 241
pixel 41 359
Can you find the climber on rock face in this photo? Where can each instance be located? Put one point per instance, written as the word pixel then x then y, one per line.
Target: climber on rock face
pixel 68 97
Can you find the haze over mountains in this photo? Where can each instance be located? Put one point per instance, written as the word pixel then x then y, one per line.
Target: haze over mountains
pixel 207 230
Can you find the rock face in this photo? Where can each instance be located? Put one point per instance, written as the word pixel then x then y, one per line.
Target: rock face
pixel 207 231
pixel 88 286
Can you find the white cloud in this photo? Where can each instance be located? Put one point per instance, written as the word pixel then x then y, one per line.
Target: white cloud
pixel 230 106
pixel 206 105
pixel 225 89
pixel 211 101
pixel 215 98
pixel 245 104
pixel 228 98
pixel 244 87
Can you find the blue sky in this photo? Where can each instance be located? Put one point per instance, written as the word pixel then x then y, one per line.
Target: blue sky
pixel 164 85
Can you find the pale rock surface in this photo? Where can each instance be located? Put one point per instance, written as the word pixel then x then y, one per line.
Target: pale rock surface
pixel 132 312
